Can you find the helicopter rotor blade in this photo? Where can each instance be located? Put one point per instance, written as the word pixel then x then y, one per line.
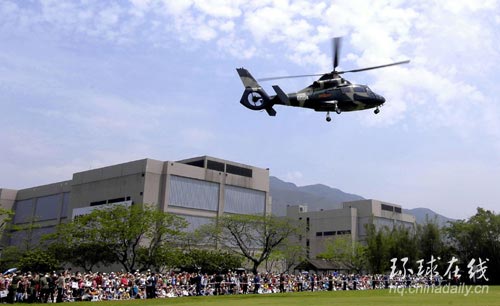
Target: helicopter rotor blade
pixel 289 77
pixel 374 67
pixel 336 42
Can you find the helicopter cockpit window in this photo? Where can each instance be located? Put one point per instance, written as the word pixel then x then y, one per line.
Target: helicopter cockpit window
pixel 346 89
pixel 370 92
pixel 359 89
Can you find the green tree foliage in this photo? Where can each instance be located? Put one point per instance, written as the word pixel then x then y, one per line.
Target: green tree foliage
pixel 430 240
pixel 254 237
pixel 165 257
pixel 286 257
pixel 85 255
pixel 377 249
pixel 403 243
pixel 123 231
pixel 477 237
pixel 38 261
pixel 384 244
pixel 27 229
pixel 10 257
pixel 211 261
pixel 346 252
pixel 5 218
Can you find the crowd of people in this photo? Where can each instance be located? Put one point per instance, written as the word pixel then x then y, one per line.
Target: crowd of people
pixel 71 286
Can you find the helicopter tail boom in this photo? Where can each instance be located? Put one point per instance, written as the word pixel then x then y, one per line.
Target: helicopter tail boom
pixel 255 97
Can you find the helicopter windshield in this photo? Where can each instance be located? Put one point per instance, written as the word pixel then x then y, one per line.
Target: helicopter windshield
pixel 360 88
pixel 365 89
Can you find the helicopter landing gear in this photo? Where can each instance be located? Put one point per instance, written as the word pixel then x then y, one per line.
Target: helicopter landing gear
pixel 337 109
pixel 328 118
pixel 376 111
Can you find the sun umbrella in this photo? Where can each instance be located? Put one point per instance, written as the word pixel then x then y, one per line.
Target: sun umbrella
pixel 11 270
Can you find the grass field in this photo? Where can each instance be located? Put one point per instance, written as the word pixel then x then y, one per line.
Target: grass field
pixel 336 298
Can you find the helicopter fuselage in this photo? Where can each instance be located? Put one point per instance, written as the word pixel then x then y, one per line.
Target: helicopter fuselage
pixel 327 94
pixel 344 98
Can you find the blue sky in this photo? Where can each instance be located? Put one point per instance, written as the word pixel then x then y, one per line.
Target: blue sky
pixel 85 84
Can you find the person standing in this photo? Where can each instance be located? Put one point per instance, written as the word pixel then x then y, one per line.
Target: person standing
pixel 151 286
pixel 44 288
pixel 244 283
pixel 13 286
pixel 256 283
pixel 61 286
pixel 282 283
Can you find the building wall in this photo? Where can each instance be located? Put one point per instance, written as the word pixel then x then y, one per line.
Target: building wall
pixel 193 191
pixel 37 211
pixel 348 221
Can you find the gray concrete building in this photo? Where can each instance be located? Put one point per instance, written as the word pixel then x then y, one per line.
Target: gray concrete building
pixel 349 220
pixel 197 189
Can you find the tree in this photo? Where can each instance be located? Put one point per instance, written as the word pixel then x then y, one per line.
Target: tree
pixel 430 240
pixel 28 230
pixel 377 249
pixel 254 237
pixel 38 261
pixel 10 257
pixel 5 218
pixel 286 257
pixel 343 250
pixel 164 257
pixel 211 261
pixel 477 237
pixel 123 230
pixel 402 242
pixel 85 254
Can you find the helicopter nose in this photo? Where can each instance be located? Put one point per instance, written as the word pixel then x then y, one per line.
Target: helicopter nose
pixel 382 99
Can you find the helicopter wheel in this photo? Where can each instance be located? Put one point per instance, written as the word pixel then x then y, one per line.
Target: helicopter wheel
pixel 377 110
pixel 328 118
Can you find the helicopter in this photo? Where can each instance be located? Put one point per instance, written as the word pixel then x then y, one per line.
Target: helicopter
pixel 330 93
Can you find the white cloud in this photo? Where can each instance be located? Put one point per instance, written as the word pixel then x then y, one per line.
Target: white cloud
pixel 453 46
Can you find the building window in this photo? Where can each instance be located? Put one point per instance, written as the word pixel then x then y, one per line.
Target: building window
pixel 387 207
pixel 241 200
pixel 48 207
pixel 116 200
pixel 238 170
pixel 97 203
pixel 319 234
pixel 24 211
pixel 192 193
pixel 213 165
pixel 197 163
pixel 329 233
pixel 397 209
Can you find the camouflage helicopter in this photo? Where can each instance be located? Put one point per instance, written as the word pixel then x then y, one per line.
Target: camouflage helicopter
pixel 329 93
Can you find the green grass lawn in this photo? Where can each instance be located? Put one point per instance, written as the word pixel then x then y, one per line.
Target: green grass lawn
pixel 335 298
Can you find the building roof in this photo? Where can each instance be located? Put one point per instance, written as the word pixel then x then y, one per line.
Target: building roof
pixel 319 265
